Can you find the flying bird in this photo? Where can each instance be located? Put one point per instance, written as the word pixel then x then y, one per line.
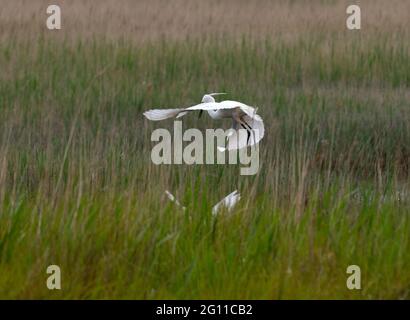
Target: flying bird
pixel 242 115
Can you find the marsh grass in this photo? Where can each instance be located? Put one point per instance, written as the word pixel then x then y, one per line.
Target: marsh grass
pixel 78 189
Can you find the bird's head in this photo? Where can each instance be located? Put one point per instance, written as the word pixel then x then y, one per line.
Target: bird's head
pixel 207 98
pixel 210 97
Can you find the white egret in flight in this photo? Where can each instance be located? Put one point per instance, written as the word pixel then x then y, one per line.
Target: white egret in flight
pixel 242 115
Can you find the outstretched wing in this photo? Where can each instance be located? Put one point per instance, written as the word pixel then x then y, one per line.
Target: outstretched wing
pixel 228 202
pixel 162 114
pixel 212 106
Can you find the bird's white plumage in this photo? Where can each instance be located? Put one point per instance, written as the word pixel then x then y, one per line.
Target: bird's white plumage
pixel 236 110
pixel 228 202
pixel 172 198
pixel 161 114
pixel 239 138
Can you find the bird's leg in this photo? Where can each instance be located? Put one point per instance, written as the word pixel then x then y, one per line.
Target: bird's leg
pixel 239 118
pixel 247 125
pixel 247 131
pixel 243 124
pixel 200 113
pixel 250 130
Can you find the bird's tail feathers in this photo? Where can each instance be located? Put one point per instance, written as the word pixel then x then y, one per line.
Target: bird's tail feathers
pixel 162 114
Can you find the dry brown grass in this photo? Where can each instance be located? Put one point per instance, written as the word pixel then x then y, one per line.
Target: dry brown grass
pixel 178 19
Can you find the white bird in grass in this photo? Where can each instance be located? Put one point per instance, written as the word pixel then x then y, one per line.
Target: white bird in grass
pixel 228 202
pixel 241 114
pixel 172 198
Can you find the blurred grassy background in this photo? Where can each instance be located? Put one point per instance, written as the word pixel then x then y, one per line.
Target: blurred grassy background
pixel 78 189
